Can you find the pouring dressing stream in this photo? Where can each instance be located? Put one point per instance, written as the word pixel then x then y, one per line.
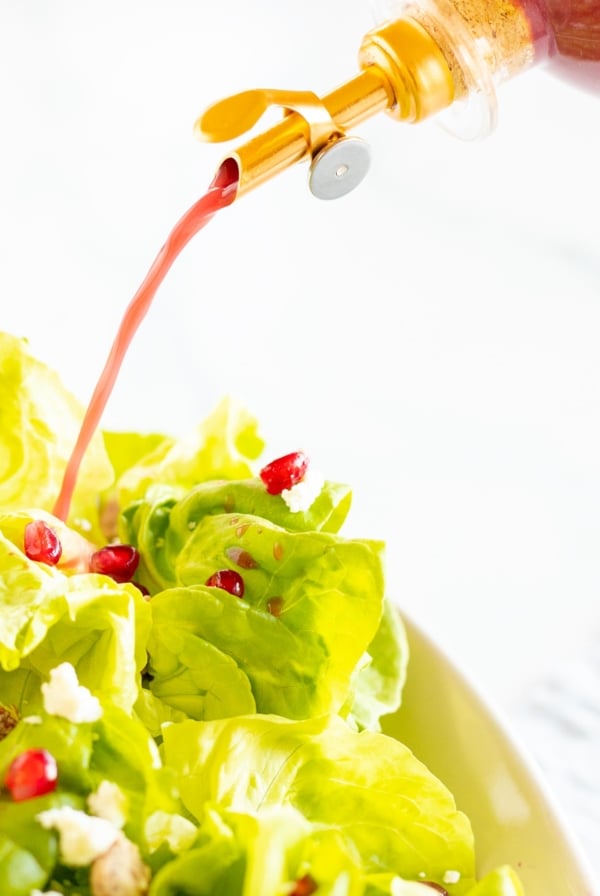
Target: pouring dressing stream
pixel 221 193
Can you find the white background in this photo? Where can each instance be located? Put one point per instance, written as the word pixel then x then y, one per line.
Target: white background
pixel 431 338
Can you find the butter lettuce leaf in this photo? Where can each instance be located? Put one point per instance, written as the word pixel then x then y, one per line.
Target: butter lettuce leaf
pixel 371 788
pixel 221 447
pixel 28 852
pixel 48 617
pixel 378 681
pixel 39 422
pixel 298 653
pixel 312 604
pixel 243 855
pixel 161 524
pixel 195 678
pixel 116 749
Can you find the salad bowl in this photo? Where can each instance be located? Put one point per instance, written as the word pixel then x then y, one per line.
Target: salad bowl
pixel 455 729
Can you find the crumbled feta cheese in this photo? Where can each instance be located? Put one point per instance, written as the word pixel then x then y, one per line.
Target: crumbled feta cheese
pixel 303 495
pixel 174 830
pixel 64 696
pixel 109 802
pixel 451 877
pixel 82 837
pixel 32 720
pixel 45 893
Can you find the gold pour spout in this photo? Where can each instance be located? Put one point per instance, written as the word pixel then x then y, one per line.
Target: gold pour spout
pixel 403 72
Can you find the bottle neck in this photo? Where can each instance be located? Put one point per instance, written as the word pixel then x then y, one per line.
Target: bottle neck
pixel 481 43
pixel 480 39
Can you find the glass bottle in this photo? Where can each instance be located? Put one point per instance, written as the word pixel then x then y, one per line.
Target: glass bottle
pixel 485 42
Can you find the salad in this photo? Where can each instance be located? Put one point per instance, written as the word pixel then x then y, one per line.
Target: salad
pixel 194 672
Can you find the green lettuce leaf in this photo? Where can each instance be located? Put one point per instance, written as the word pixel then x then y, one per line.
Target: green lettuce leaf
pixel 243 855
pixel 116 748
pixel 192 676
pixel 312 603
pixel 216 863
pixel 299 661
pixel 399 817
pixel 130 449
pixel 47 617
pixel 28 852
pixel 39 422
pixel 221 447
pixel 377 683
pixel 162 524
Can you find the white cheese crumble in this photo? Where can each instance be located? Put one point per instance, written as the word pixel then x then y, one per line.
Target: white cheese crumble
pixel 45 893
pixel 303 495
pixel 82 837
pixel 64 696
pixel 451 877
pixel 174 830
pixel 109 802
pixel 32 720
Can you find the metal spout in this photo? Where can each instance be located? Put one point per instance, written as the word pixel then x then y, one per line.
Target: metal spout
pixel 403 73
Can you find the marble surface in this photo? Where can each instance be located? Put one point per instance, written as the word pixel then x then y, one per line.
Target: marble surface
pixel 559 720
pixel 431 338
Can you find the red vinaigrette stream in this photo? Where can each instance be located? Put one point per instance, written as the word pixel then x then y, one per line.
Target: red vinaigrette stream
pixel 221 193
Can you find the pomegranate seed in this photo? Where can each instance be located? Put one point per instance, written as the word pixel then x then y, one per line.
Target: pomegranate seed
pixel 229 580
pixel 32 773
pixel 305 886
pixel 284 472
pixel 42 543
pixel 119 561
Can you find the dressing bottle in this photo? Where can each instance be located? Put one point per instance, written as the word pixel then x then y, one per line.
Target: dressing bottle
pixel 442 58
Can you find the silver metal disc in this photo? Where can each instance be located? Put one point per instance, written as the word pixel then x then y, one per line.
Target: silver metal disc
pixel 339 168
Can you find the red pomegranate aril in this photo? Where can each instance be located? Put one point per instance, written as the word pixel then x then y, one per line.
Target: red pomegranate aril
pixel 284 472
pixel 119 561
pixel 305 886
pixel 42 543
pixel 30 774
pixel 229 580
